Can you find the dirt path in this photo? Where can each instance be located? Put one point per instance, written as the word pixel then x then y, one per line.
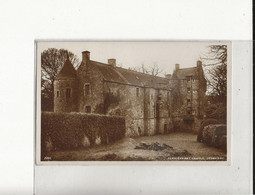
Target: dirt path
pixel 180 146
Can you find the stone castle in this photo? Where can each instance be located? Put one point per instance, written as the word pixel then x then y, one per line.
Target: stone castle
pixel 150 104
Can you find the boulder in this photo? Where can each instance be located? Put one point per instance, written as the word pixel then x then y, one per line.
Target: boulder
pixel 212 134
pixel 202 125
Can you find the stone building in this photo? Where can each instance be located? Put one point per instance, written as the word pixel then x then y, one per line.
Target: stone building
pixel 189 87
pixel 144 100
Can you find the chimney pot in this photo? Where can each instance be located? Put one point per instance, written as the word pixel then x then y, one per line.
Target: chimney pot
pixel 199 63
pixel 112 62
pixel 85 56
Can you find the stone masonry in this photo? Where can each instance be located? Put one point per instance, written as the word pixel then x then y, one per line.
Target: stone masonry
pixel 149 103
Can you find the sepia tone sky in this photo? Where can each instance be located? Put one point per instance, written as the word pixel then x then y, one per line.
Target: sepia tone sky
pixel 134 54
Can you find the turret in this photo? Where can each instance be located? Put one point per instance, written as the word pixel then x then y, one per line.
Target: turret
pixel 65 89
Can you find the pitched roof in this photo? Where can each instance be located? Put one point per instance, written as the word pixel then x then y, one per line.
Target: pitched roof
pixel 142 79
pixel 109 73
pixel 67 71
pixel 117 74
pixel 184 72
pixel 121 75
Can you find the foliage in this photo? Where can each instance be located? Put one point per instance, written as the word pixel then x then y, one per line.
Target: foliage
pixel 216 67
pixel 202 125
pixel 110 100
pixel 216 111
pixel 68 130
pixel 52 60
pixel 177 101
pixel 212 135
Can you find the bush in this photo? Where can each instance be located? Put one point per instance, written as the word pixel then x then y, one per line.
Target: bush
pixel 223 143
pixel 202 125
pixel 216 111
pixel 213 134
pixel 69 130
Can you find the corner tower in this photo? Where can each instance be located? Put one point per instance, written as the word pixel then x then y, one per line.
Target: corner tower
pixel 65 89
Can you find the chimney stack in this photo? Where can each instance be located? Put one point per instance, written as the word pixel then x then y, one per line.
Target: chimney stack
pixel 112 62
pixel 177 66
pixel 85 56
pixel 199 63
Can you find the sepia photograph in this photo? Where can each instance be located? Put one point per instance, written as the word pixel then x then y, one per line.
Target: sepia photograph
pixel 132 101
pixel 126 97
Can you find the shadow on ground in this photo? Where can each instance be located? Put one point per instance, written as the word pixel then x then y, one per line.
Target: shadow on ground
pixel 171 147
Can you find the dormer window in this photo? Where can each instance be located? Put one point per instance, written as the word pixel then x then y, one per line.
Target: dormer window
pixel 87 89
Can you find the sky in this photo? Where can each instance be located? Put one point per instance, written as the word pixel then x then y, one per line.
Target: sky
pixel 134 54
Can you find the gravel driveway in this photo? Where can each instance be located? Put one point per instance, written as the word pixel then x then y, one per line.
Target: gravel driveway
pixel 173 147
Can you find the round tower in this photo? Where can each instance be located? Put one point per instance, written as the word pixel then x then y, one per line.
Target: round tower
pixel 65 89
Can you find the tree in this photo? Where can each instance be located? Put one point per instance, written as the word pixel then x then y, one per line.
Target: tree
pixel 152 70
pixel 155 70
pixel 52 60
pixel 215 64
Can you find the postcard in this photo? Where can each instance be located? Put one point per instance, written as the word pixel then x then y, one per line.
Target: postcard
pixel 133 103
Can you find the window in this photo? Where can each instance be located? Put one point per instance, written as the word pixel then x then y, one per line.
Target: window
pixel 137 92
pixel 57 93
pixel 188 89
pixel 188 78
pixel 188 100
pixel 88 109
pixel 68 92
pixel 87 89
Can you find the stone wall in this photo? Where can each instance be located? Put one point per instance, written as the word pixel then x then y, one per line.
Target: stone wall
pixel 62 103
pixel 89 75
pixel 147 110
pixel 192 95
pixel 129 104
pixel 138 105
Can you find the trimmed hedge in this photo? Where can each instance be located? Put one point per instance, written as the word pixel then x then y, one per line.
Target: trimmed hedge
pixel 69 130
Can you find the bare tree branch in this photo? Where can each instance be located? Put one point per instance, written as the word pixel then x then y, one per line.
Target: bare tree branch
pixel 216 61
pixel 152 70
